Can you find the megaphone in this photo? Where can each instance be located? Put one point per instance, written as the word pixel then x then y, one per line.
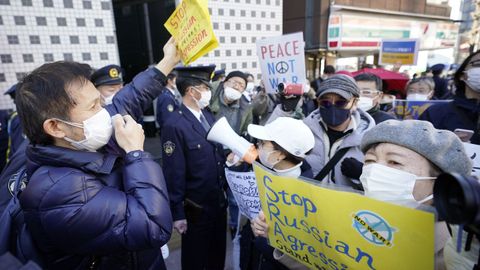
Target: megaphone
pixel 221 132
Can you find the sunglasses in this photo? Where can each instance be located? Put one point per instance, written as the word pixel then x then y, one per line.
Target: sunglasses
pixel 327 103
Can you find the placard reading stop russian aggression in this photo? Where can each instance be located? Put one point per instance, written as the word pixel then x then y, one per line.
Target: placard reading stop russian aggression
pixel 281 60
pixel 330 229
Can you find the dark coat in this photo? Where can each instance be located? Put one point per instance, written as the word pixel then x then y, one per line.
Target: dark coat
pixel 104 207
pixel 460 113
pixel 167 103
pixel 193 166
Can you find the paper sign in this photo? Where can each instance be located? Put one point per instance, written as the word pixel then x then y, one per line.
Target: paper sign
pixel 399 52
pixel 191 27
pixel 282 59
pixel 331 229
pixel 405 109
pixel 244 188
pixel 473 151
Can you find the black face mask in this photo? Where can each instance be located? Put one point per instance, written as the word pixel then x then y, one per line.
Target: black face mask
pixel 289 104
pixel 334 116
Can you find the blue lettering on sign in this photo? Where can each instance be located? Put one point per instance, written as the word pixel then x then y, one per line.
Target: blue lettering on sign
pixel 399 46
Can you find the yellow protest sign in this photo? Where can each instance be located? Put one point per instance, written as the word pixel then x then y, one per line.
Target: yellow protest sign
pixel 330 229
pixel 191 27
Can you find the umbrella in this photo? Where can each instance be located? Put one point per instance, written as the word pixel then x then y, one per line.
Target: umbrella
pixel 393 80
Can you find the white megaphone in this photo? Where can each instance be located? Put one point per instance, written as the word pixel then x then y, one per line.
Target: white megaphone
pixel 221 132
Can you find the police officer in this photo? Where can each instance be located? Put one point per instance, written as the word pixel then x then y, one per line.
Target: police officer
pixel 14 127
pixel 168 101
pixel 194 172
pixel 108 81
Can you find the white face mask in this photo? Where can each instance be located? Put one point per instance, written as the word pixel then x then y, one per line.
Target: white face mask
pixel 108 100
pixel 417 97
pixel 473 79
pixel 388 184
pixel 231 94
pixel 264 156
pixel 97 129
pixel 204 100
pixel 295 171
pixel 365 103
pixel 250 87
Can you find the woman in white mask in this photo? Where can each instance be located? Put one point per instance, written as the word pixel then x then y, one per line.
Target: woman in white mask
pixel 421 89
pixel 402 169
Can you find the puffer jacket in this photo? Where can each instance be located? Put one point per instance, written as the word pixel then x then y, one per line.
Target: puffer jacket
pixel 100 210
pixel 322 152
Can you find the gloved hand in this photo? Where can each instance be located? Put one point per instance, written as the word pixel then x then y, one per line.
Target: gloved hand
pixel 352 168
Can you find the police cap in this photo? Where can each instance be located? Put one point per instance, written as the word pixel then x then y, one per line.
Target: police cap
pixel 107 75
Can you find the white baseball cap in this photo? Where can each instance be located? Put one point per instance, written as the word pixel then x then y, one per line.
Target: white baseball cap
pixel 291 134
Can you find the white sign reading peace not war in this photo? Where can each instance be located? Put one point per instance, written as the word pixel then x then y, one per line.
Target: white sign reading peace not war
pixel 244 188
pixel 282 60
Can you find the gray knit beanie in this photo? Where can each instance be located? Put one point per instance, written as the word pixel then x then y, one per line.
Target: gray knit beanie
pixel 441 147
pixel 339 84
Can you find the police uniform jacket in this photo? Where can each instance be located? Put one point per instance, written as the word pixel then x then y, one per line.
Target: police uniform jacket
pixel 99 209
pixel 167 103
pixel 193 166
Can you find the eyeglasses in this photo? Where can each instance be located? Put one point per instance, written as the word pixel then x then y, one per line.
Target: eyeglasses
pixel 201 88
pixel 236 84
pixel 369 93
pixel 327 103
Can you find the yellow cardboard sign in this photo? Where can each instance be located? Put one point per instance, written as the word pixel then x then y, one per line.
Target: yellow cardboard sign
pixel 330 229
pixel 191 27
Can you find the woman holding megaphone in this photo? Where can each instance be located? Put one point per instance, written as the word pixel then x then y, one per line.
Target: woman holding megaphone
pixel 282 146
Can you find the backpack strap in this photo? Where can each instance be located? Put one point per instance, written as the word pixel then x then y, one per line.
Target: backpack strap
pixel 331 163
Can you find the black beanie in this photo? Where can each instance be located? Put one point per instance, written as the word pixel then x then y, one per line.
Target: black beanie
pixel 237 73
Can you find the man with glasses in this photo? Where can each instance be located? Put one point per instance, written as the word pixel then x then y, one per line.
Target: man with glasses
pixel 226 102
pixel 194 172
pixel 338 128
pixel 371 93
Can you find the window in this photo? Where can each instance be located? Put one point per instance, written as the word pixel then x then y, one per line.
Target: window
pixel 67 3
pixel 92 39
pixel 55 39
pixel 209 10
pixel 103 56
pixel 5 2
pixel 228 53
pixel 259 2
pixel 249 26
pixel 27 3
pixel 234 65
pixel 253 13
pixel 247 1
pixel 68 57
pixel 254 65
pixel 2 77
pixel 238 26
pixel 61 21
pixel 259 27
pixel 232 12
pixel 244 65
pixel 263 14
pixel 34 39
pixel 268 27
pixel 243 13
pixel 220 11
pixel 99 22
pixel 86 56
pixel 28 58
pixel 74 40
pixel 215 25
pixel 277 3
pixel 249 52
pixel 244 39
pixel 222 39
pixel 272 15
pixel 20 75
pixel 110 39
pixel 227 26
pixel 48 3
pixel 19 20
pixel 233 39
pixel 254 39
pixel 1 20
pixel 105 5
pixel 48 57
pixel 5 58
pixel 217 53
pixel 87 5
pixel 223 66
pixel 12 39
pixel 239 53
pixel 277 27
pixel 41 21
pixel 81 22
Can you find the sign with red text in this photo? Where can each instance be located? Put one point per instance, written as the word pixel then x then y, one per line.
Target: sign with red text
pixel 191 27
pixel 282 59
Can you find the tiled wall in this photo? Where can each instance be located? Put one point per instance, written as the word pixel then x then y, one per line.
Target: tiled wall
pixel 33 32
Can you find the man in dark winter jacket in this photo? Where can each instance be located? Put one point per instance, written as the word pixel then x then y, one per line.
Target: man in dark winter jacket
pixel 93 200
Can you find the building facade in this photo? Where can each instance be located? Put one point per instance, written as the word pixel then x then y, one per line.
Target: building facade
pixel 34 32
